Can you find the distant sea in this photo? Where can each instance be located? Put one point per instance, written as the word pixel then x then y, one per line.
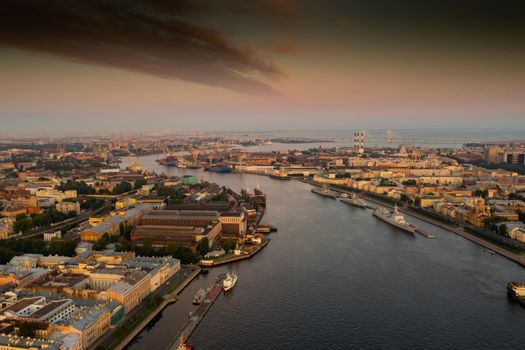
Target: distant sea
pixel 432 138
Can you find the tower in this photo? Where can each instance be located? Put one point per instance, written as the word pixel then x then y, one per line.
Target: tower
pixel 359 142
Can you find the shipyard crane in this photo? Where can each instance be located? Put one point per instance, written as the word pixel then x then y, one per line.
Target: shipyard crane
pixel 167 151
pixel 214 151
pixel 194 153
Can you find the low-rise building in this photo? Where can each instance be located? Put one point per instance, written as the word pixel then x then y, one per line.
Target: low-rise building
pixel 67 206
pixel 49 236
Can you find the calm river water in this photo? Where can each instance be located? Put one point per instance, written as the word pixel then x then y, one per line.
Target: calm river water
pixel 335 277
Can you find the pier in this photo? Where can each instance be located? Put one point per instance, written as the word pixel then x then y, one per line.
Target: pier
pixel 197 316
pixel 424 233
pixel 167 299
pixel 231 258
pixel 515 257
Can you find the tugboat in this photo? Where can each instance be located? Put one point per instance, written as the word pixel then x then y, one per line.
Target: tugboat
pixel 394 218
pixel 355 201
pixel 229 282
pixel 199 297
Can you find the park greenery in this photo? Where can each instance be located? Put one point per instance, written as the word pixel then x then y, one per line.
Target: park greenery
pixel 81 187
pixel 410 182
pixel 10 248
pixel 26 329
pixel 25 223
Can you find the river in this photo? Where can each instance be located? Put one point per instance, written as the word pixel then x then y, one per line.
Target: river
pixel 335 277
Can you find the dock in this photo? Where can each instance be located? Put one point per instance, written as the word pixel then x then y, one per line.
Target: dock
pixel 424 233
pixel 327 194
pixel 167 299
pixel 198 315
pixel 231 258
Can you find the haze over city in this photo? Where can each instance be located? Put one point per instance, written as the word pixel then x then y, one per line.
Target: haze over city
pixel 156 66
pixel 262 174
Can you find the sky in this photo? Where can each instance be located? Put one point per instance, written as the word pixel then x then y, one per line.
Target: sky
pixel 77 67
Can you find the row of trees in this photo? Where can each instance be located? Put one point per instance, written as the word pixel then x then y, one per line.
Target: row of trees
pixel 172 194
pixel 83 188
pixel 184 254
pixel 24 223
pixel 10 248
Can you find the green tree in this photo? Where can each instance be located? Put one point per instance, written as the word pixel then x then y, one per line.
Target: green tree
pixel 147 247
pixel 81 187
pixel 228 244
pixel 123 245
pixel 166 191
pixel 521 216
pixel 23 225
pixel 20 217
pixel 502 230
pixel 405 198
pixel 481 193
pixel 26 329
pixel 171 249
pixel 6 254
pixel 409 183
pixel 122 187
pixel 204 246
pixel 185 255
pixel 102 242
pixel 139 183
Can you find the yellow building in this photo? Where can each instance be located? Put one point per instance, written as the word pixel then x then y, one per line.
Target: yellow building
pixel 131 290
pixel 13 342
pixel 124 202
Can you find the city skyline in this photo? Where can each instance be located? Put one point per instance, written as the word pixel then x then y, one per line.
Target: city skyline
pixel 154 66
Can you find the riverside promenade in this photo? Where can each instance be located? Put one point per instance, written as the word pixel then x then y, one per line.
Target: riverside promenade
pixel 167 299
pixel 515 257
pixel 198 315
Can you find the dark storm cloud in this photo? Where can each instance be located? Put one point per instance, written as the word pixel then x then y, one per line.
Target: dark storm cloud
pixel 148 36
pixel 273 8
pixel 463 17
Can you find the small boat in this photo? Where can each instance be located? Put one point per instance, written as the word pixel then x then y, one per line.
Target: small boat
pixel 199 297
pixel 230 281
